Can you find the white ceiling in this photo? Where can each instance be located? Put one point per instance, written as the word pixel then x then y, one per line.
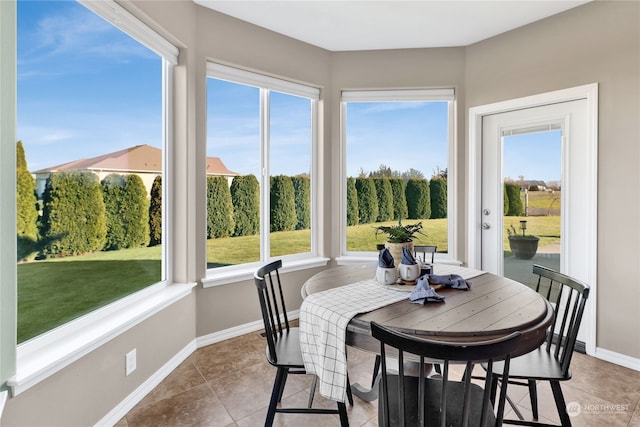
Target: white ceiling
pixel 364 25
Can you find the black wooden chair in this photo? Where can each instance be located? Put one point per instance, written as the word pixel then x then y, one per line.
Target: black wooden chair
pixel 551 362
pixel 283 344
pixel 407 400
pixel 425 252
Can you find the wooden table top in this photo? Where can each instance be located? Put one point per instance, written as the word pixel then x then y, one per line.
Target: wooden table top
pixel 494 306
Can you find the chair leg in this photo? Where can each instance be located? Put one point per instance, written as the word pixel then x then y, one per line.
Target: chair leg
pixel 312 392
pixel 284 381
pixel 533 396
pixel 342 410
pixel 376 368
pixel 278 385
pixel 349 394
pixel 560 404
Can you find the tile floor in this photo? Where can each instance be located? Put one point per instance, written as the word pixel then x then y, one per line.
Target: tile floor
pixel 229 384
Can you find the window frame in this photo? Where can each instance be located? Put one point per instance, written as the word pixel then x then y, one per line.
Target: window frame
pixel 43 356
pixel 400 95
pixel 266 84
pixel 8 288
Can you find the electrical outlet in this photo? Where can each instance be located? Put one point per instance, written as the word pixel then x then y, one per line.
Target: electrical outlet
pixel 130 362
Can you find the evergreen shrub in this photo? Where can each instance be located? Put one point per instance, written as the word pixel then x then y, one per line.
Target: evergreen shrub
pixel 398 187
pixel 352 202
pixel 367 200
pixel 302 190
pixel 283 208
pixel 418 198
pixel 245 195
pixel 515 204
pixel 385 199
pixel 73 215
pixel 438 190
pixel 220 222
pixel 155 212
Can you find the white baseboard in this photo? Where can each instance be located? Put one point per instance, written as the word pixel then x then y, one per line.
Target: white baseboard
pixel 617 358
pixel 236 331
pixel 145 388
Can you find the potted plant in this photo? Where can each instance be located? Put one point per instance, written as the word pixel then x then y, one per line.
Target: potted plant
pixel 522 246
pixel 399 236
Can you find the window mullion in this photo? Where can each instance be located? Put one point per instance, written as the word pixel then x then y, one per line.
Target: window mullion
pixel 265 200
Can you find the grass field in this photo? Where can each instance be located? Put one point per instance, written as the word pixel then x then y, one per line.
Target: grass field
pixel 55 291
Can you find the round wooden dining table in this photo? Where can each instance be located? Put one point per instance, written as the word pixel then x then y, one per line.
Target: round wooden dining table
pixel 494 306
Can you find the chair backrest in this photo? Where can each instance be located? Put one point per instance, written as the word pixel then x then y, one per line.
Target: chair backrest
pixel 569 297
pixel 425 252
pixel 274 312
pixel 424 401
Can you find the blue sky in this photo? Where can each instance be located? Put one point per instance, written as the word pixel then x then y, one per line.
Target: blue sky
pixel 87 89
pixel 536 156
pixel 84 87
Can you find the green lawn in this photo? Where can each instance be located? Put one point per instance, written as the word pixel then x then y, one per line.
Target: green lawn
pixel 55 291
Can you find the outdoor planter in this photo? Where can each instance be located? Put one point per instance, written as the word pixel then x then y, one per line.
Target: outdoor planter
pixel 523 247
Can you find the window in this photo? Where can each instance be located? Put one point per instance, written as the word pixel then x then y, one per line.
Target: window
pixel 260 170
pixel 91 130
pixel 63 109
pixel 398 166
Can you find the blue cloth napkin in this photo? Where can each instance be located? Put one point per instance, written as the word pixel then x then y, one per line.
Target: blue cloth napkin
pixel 449 280
pixel 385 259
pixel 424 293
pixel 407 257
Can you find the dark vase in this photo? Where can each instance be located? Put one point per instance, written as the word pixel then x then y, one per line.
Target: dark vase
pixel 523 247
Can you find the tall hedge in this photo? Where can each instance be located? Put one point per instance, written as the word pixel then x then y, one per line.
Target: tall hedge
pixel 438 190
pixel 126 210
pixel 26 202
pixel 245 195
pixel 220 221
pixel 73 216
pixel 283 207
pixel 398 187
pixel 26 206
pixel 155 212
pixel 515 204
pixel 352 202
pixel 385 199
pixel 113 196
pixel 418 199
pixel 367 200
pixel 505 201
pixel 302 195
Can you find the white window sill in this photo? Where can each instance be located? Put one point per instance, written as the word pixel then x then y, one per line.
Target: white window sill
pixel 219 277
pixel 41 357
pixel 373 258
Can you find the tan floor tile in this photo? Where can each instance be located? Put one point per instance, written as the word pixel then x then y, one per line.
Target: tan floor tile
pixel 183 378
pixel 198 406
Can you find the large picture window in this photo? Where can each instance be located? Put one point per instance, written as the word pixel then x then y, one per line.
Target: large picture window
pixel 397 150
pixel 91 137
pixel 260 169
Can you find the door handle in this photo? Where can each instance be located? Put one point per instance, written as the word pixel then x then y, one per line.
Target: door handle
pixel 486 226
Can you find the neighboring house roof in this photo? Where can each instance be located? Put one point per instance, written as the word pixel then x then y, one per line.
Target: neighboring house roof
pixel 138 159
